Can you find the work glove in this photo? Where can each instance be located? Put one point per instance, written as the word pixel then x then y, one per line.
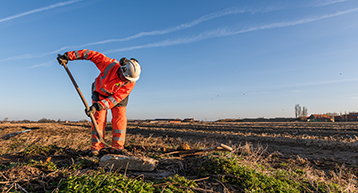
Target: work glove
pixel 123 61
pixel 92 109
pixel 62 59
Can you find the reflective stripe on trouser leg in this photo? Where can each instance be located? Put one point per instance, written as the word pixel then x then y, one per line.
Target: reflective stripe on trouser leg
pixel 119 126
pixel 101 118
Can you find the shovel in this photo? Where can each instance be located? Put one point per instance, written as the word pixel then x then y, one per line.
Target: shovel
pixel 186 153
pixel 94 123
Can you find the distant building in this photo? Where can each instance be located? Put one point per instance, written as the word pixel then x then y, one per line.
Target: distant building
pixel 320 118
pixel 188 120
pixel 175 121
pixel 163 120
pixel 347 117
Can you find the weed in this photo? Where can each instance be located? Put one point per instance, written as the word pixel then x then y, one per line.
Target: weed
pixel 299 171
pixel 250 180
pixel 283 164
pixel 48 165
pixel 176 184
pixel 36 150
pixel 12 164
pixel 81 164
pixel 104 182
pixel 15 145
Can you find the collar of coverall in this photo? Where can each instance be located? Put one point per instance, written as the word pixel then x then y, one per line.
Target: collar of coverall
pixel 121 76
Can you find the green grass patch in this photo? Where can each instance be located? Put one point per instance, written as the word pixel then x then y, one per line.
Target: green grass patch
pixel 230 170
pixel 176 184
pixel 48 165
pixel 113 182
pixel 81 163
pixel 36 150
pixel 12 164
pixel 104 182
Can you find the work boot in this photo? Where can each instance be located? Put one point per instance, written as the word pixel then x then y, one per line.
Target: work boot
pixel 105 151
pixel 119 151
pixel 94 153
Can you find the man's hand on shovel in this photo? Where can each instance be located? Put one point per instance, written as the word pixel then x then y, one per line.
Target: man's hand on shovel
pixel 92 109
pixel 62 59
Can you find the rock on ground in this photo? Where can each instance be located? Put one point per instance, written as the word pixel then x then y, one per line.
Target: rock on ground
pixel 128 162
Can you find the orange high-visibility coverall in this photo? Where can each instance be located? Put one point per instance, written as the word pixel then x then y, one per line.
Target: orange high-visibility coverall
pixel 111 92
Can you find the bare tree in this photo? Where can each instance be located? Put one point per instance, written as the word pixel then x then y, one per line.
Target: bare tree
pixel 297 110
pixel 304 111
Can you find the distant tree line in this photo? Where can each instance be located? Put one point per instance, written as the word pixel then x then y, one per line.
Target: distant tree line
pixel 43 120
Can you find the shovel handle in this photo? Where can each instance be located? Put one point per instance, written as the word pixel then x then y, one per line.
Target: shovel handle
pixel 82 98
pixel 223 147
pixel 219 146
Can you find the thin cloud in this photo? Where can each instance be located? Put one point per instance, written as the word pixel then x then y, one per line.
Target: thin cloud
pixel 46 64
pixel 24 56
pixel 353 97
pixel 39 10
pixel 305 85
pixel 227 32
pixel 320 83
pixel 296 91
pixel 257 93
pixel 206 35
pixel 329 2
pixel 195 22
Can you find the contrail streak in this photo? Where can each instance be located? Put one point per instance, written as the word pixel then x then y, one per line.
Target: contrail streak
pixel 195 22
pixel 225 32
pixel 46 64
pixel 330 2
pixel 206 35
pixel 39 10
pixel 168 30
pixel 142 34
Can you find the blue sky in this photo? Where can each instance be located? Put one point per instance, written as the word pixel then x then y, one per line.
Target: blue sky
pixel 201 59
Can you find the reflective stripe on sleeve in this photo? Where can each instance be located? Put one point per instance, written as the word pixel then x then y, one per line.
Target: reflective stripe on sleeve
pixel 85 54
pixel 101 78
pixel 106 104
pixel 114 101
pixel 104 90
pixel 105 73
pixel 108 68
pixel 77 55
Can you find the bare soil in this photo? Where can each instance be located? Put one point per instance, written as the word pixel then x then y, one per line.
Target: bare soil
pixel 325 146
pixel 336 142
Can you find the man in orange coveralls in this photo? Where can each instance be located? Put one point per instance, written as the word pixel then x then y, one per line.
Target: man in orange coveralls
pixel 110 90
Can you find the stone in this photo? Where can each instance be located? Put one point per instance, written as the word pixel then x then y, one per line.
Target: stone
pixel 128 162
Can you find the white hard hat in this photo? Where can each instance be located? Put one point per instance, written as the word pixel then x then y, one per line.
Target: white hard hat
pixel 131 70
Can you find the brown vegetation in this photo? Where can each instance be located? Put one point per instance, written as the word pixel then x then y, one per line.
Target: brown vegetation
pixel 323 151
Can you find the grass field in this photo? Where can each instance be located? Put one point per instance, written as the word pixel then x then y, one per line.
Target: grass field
pixel 267 157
